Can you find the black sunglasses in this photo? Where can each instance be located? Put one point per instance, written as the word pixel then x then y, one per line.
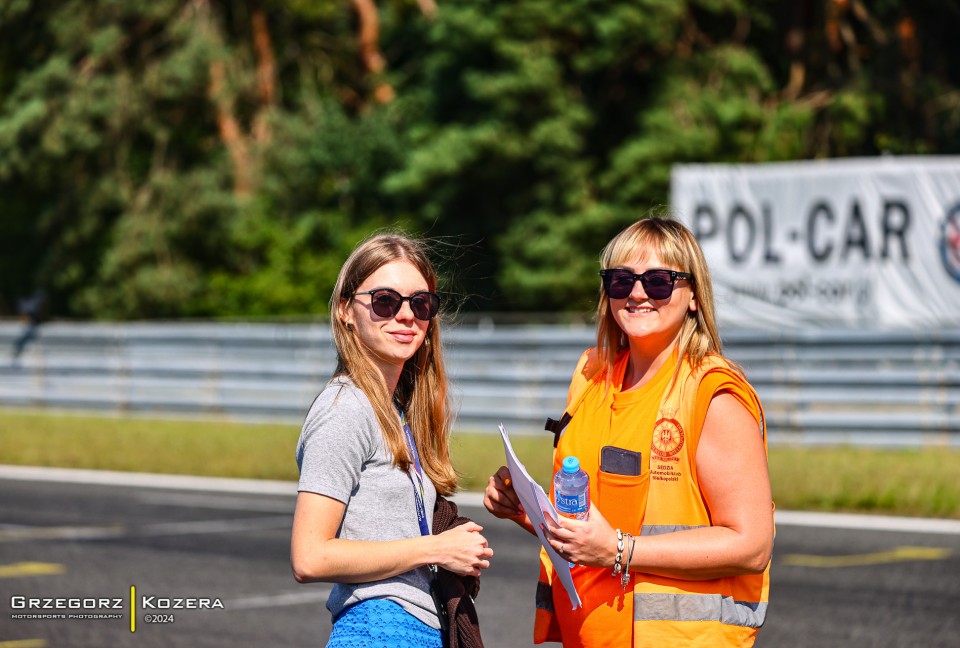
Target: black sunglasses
pixel 386 302
pixel 658 284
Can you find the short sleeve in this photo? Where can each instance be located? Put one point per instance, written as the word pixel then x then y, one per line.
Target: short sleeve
pixel 723 380
pixel 340 434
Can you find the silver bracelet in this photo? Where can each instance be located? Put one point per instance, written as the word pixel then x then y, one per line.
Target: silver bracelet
pixel 617 567
pixel 625 576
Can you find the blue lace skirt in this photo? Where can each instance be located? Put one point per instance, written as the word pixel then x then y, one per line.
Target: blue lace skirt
pixel 376 623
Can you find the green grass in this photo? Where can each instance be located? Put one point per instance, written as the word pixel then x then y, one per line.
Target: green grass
pixel 214 448
pixel 923 482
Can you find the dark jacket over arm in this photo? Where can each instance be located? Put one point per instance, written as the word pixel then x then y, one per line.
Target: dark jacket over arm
pixel 457 592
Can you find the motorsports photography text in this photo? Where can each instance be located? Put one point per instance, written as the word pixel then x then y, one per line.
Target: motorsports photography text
pixel 131 607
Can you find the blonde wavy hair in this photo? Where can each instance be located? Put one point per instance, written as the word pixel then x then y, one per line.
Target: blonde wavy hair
pixel 678 248
pixel 422 390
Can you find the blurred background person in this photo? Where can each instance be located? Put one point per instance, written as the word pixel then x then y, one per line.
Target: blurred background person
pixel 31 312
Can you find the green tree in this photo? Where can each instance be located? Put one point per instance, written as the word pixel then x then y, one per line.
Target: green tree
pixel 548 127
pixel 103 129
pixel 177 158
pixel 180 158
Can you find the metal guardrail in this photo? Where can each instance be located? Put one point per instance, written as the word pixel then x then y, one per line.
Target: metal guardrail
pixel 859 387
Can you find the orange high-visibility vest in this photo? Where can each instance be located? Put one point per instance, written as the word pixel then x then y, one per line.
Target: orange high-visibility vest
pixel 664 426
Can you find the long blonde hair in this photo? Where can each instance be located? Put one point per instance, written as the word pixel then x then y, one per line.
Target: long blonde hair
pixel 677 247
pixel 422 389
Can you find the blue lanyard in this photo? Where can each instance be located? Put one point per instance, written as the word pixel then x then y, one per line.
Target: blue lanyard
pixel 416 477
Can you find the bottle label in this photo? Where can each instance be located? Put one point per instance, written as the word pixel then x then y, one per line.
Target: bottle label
pixel 572 503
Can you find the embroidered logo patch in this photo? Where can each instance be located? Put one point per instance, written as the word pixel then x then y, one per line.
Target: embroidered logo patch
pixel 667 437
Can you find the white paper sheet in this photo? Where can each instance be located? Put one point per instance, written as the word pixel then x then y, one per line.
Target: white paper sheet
pixel 541 513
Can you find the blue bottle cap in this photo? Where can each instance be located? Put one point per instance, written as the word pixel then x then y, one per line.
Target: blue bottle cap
pixel 571 464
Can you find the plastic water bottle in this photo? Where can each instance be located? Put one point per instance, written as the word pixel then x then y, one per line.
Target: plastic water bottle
pixel 571 489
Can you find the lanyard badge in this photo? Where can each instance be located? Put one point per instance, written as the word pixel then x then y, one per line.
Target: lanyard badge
pixel 416 477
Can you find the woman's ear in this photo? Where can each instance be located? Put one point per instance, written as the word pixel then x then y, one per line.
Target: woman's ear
pixel 693 304
pixel 343 314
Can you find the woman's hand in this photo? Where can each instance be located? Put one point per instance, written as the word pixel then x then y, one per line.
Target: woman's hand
pixel 462 550
pixel 501 499
pixel 592 542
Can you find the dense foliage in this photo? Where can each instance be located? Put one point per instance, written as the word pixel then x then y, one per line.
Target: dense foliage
pixel 191 158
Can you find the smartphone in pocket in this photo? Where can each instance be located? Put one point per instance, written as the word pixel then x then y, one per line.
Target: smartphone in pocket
pixel 619 461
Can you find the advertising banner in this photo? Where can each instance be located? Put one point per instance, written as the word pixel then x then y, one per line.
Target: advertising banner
pixel 854 243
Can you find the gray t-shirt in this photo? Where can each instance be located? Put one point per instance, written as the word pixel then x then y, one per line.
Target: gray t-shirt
pixel 342 454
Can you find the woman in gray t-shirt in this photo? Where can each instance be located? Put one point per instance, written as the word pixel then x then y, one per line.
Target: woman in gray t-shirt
pixel 373 456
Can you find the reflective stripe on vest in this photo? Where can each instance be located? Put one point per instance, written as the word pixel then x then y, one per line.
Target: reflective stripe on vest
pixel 698 607
pixel 694 607
pixel 660 529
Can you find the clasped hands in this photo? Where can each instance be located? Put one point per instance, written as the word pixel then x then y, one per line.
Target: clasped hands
pixel 464 550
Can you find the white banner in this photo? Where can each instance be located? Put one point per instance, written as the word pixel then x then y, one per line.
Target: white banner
pixel 858 243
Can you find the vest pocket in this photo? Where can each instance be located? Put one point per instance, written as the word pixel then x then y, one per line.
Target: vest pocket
pixel 623 499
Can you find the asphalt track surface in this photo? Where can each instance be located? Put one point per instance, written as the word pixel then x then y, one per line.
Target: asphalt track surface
pixel 837 580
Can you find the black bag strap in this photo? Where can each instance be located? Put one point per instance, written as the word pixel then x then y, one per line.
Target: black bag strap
pixel 557 427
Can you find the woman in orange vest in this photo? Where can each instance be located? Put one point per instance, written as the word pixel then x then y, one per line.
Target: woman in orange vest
pixel 676 550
